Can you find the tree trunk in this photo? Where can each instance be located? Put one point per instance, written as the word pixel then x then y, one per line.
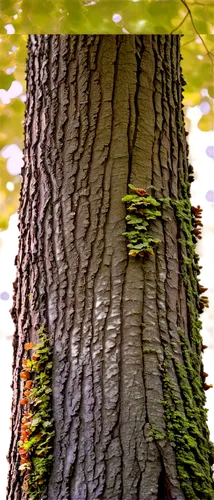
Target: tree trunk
pixel 128 398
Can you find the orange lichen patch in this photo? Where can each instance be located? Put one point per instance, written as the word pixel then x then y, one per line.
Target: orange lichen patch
pixel 149 252
pixel 29 345
pixel 25 424
pixel 23 452
pixel 24 375
pixel 23 401
pixel 25 434
pixel 39 435
pixel 27 393
pixel 35 357
pixel 41 454
pixel 27 417
pixel 141 192
pixel 41 481
pixel 201 288
pixel 132 253
pixel 28 384
pixel 23 461
pixel 207 386
pixel 26 369
pixel 24 427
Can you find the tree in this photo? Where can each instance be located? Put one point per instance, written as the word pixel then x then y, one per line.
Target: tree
pixel 88 17
pixel 103 115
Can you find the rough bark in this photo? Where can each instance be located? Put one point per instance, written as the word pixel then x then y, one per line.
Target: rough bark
pixel 104 111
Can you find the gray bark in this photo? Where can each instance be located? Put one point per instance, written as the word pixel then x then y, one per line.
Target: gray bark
pixel 101 112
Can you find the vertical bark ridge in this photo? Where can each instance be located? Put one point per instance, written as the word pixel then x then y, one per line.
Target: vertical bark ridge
pixel 141 169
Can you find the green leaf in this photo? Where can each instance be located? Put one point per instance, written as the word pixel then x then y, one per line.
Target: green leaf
pixel 43 350
pixel 149 200
pixel 131 208
pixel 133 187
pixel 131 236
pixel 152 200
pixel 132 219
pixel 130 197
pixel 154 188
pixel 141 227
pixel 48 390
pixel 136 247
pixel 155 241
pixel 49 365
pixel 153 212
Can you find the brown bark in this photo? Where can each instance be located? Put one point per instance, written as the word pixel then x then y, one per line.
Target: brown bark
pixel 101 112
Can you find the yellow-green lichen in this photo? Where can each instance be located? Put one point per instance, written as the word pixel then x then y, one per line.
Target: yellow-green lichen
pixel 142 209
pixel 188 433
pixel 156 434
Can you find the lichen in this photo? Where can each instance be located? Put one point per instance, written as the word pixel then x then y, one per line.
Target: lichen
pixel 156 434
pixel 143 209
pixel 37 427
pixel 187 429
pixel 186 417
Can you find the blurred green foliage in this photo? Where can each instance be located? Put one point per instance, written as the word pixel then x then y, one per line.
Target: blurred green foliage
pixel 192 18
pixel 13 53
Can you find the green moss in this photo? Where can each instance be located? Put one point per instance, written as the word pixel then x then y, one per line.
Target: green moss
pixel 156 434
pixel 186 417
pixel 189 269
pixel 190 432
pixel 147 350
pixel 187 431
